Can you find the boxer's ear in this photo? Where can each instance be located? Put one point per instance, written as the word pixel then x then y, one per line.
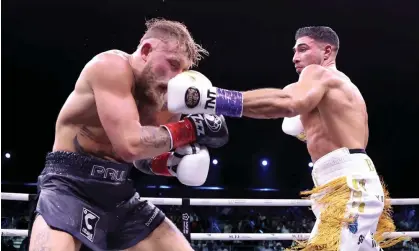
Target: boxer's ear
pixel 145 50
pixel 327 52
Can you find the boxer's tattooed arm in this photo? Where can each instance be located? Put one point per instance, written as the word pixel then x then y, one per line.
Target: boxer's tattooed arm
pixel 155 137
pixel 152 141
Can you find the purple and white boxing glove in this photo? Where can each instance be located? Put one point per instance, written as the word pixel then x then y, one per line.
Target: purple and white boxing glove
pixel 191 92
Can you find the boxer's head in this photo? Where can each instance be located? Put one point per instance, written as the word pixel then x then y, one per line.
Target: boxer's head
pixel 314 45
pixel 165 50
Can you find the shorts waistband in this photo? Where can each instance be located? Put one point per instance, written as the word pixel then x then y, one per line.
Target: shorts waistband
pixel 85 166
pixel 357 150
pixel 342 162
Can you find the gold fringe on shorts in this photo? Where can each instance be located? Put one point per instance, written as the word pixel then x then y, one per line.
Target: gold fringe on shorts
pixel 386 224
pixel 333 198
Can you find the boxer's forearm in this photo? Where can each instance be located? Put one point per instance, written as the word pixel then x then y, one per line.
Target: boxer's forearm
pixel 267 103
pixel 153 141
pixel 145 142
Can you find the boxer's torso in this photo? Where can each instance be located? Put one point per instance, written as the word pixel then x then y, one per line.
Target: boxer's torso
pixel 340 120
pixel 78 122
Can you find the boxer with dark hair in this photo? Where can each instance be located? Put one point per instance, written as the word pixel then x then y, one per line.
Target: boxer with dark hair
pixel 116 117
pixel 327 111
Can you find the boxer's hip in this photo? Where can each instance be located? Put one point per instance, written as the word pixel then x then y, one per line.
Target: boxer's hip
pixel 94 201
pixel 340 163
pixel 347 187
pixel 342 175
pixel 99 181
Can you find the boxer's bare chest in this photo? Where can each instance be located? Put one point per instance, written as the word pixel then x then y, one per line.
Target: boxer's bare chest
pixel 92 138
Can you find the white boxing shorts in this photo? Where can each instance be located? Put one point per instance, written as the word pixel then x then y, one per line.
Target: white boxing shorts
pixel 350 204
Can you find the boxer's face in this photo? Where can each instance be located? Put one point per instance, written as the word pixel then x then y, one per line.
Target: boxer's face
pixel 163 61
pixel 306 52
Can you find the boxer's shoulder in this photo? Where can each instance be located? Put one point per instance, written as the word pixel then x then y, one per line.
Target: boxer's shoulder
pixel 337 79
pixel 110 66
pixel 111 59
pixel 330 78
pixel 317 71
pixel 314 70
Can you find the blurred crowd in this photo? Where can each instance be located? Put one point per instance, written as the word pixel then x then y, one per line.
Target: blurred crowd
pixel 225 220
pixel 270 220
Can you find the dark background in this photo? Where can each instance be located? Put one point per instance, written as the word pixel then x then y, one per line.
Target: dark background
pixel 45 44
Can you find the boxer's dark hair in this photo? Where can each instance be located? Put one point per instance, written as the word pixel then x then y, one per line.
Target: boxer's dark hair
pixel 319 33
pixel 166 30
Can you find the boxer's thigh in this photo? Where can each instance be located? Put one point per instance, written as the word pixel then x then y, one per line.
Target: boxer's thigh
pixel 365 207
pixel 166 237
pixel 316 209
pixel 315 228
pixel 369 244
pixel 73 216
pixel 45 238
pixel 145 227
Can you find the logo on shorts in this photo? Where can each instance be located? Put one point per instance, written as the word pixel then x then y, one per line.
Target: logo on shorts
pixel 353 224
pixel 153 216
pixel 107 173
pixel 361 239
pixel 213 122
pixel 373 242
pixel 89 221
pixel 192 97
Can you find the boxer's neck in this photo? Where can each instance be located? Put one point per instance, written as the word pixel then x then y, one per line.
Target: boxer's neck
pixel 330 64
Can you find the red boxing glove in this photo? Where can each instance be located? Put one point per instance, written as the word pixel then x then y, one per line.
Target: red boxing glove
pixel 181 133
pixel 205 129
pixel 162 165
pixel 159 165
pixel 166 164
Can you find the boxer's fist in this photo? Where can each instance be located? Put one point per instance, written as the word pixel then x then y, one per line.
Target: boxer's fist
pixel 187 93
pixel 294 127
pixel 192 170
pixel 190 92
pixel 190 164
pixel 210 130
pixel 165 163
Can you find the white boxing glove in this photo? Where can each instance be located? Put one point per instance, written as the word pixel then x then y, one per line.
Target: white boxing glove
pixel 192 172
pixel 294 127
pixel 193 169
pixel 191 92
pixel 186 93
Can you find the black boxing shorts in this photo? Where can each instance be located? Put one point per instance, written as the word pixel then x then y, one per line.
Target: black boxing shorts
pixel 94 201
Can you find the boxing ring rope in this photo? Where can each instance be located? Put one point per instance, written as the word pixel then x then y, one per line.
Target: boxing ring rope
pixel 221 202
pixel 231 236
pixel 186 203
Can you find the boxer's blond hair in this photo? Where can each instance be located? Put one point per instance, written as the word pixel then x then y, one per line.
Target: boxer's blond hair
pixel 167 30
